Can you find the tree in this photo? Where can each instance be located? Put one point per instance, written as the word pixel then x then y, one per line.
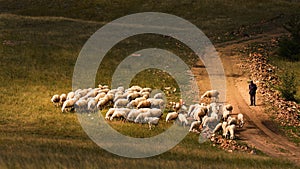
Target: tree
pixel 289 47
pixel 288 87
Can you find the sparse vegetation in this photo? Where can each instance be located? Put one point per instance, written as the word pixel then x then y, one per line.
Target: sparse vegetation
pixel 288 85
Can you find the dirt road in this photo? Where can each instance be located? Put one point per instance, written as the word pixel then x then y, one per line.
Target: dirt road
pixel 259 131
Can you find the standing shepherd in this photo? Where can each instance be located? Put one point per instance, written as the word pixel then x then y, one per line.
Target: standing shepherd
pixel 252 92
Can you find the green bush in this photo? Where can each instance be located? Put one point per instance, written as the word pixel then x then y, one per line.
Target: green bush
pixel 289 47
pixel 288 86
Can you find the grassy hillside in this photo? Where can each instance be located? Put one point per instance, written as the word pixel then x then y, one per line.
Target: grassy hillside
pixel 37 56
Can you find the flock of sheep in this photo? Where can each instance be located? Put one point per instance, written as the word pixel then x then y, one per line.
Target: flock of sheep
pixel 140 105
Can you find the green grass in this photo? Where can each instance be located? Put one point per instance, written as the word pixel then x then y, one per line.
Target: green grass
pixel 285 65
pixel 37 58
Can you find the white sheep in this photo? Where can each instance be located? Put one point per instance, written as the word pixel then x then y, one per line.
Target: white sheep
pixel 81 105
pixel 240 120
pixel 218 127
pixel 228 107
pixel 99 96
pixel 62 98
pixel 149 113
pixel 171 116
pixel 182 119
pixel 70 95
pixel 120 96
pixel 109 113
pixel 230 129
pixel 211 94
pixel 104 91
pixel 227 110
pixel 151 121
pixel 140 118
pixel 133 96
pixel 146 89
pixel 92 105
pixel 146 95
pixel 134 103
pixel 133 114
pixel 55 99
pixel 156 103
pixel 224 125
pixel 191 109
pixel 144 104
pixel 195 125
pixel 68 104
pixel 102 102
pixel 231 120
pixel 155 112
pixel 120 113
pixel 212 119
pixel 176 106
pixel 82 92
pixel 158 96
pixel 136 88
pixel 121 103
pixel 200 112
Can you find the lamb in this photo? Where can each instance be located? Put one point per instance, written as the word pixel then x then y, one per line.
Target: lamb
pixel 55 99
pixel 151 121
pixel 144 104
pixel 171 116
pixel 230 129
pixel 240 120
pixel 121 103
pixel 109 113
pixel 68 104
pixel 211 94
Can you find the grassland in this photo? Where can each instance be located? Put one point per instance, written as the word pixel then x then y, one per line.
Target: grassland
pixel 40 41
